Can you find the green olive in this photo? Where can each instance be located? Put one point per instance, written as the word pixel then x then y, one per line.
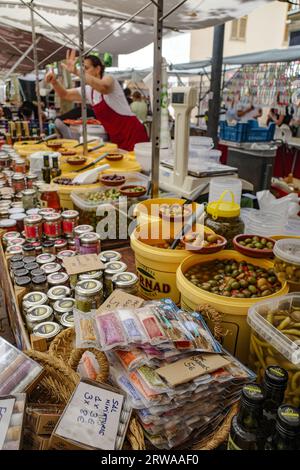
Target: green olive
pixel 252 289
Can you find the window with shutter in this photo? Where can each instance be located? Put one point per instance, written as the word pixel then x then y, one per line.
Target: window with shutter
pixel 239 29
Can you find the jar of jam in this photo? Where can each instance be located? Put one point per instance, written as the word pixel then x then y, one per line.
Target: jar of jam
pixel 111 269
pixel 4 160
pixel 9 236
pixel 37 315
pixel 58 293
pixel 28 250
pixel 29 199
pixel 88 295
pixel 70 220
pixel 19 218
pixel 28 260
pixel 37 272
pixel 37 248
pixel 23 282
pixel 32 267
pixel 33 299
pixel 34 211
pixel 20 166
pixel 60 245
pixel 65 254
pixel 109 256
pixel 30 179
pixel 89 243
pixel 50 268
pixel 80 230
pixel 126 282
pixel 52 225
pixel 58 279
pixel 49 197
pixel 8 225
pixel 33 227
pixel 48 247
pixel 14 250
pixel 46 211
pixel 71 244
pixel 18 182
pixel 45 258
pixel 39 284
pixel 63 306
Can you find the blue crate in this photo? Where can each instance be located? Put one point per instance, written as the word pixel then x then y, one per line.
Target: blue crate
pixel 246 132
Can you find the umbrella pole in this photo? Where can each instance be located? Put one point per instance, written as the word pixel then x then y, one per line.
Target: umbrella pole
pixel 82 77
pixel 36 67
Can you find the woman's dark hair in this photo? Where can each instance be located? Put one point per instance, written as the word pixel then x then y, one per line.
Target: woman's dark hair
pixel 96 62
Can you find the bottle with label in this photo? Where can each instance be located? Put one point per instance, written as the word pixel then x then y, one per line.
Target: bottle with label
pixel 287 430
pixel 55 170
pixel 245 431
pixel 46 170
pixel 274 386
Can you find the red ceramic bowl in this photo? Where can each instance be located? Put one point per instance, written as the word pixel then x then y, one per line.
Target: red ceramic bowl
pixel 253 252
pixel 207 250
pixel 114 157
pixel 112 182
pixel 76 161
pixel 126 190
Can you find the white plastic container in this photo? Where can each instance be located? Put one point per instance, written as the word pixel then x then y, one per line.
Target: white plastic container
pixel 218 185
pixel 201 142
pixel 143 155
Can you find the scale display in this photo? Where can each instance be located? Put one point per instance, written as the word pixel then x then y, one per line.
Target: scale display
pixel 178 98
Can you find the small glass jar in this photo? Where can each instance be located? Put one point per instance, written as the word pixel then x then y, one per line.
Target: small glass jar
pixel 28 250
pixel 31 179
pixel 71 244
pixel 58 293
pixel 45 258
pixel 16 259
pixel 65 254
pixel 111 269
pixel 16 241
pixel 20 166
pixel 28 260
pixel 37 315
pixel 97 275
pixel 46 211
pixel 70 221
pixel 32 267
pixel 50 198
pixel 58 279
pixel 9 236
pixel 8 225
pixel 19 218
pixel 14 250
pixel 5 161
pixel 89 243
pixel 51 268
pixel 63 306
pixel 48 247
pixel 33 299
pixel 23 282
pixel 16 265
pixel 110 256
pixel 37 272
pixel 80 230
pixel 67 320
pixel 18 182
pixel 126 282
pixel 34 211
pixel 60 245
pixel 29 199
pixel 47 330
pixel 37 248
pixel 88 295
pixel 52 225
pixel 224 219
pixel 20 273
pixel 39 284
pixel 4 214
pixel 33 227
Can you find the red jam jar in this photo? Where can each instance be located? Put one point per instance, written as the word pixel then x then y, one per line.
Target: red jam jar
pixel 70 221
pixel 52 225
pixel 33 227
pixel 18 182
pixel 8 225
pixel 60 245
pixel 30 180
pixel 49 197
pixel 20 166
pixel 90 243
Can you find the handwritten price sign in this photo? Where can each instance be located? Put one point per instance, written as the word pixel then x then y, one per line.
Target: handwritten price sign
pixel 92 417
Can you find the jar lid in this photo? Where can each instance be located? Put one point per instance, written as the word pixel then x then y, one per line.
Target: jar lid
pixel 16 241
pixel 28 247
pixel 22 281
pixel 66 254
pixel 19 216
pixel 48 244
pixel 88 287
pixel 18 177
pixel 64 305
pixel 58 292
pixel 31 177
pixel 289 417
pixel 125 279
pixel 47 330
pixel 21 272
pixel 70 214
pixel 45 258
pixel 46 211
pixel 67 320
pixel 33 211
pixel 16 210
pixel 59 243
pixel 33 219
pixel 10 236
pixel 80 229
pixel 29 260
pixel 16 259
pixel 50 268
pixel 114 267
pixel 17 265
pixel 38 280
pixel 91 275
pixel 288 250
pixel 52 217
pixel 7 223
pixel 57 278
pixel 39 313
pixel 14 250
pixel 223 209
pixel 89 237
pixel 28 192
pixel 107 256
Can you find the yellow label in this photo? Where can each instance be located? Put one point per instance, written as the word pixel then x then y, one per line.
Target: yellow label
pixel 156 284
pixel 231 445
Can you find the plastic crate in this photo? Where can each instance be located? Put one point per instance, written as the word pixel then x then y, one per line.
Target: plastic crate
pixel 247 132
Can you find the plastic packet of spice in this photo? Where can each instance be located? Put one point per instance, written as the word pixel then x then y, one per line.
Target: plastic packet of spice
pixel 86 334
pixel 119 377
pixel 110 330
pixel 152 326
pixel 148 394
pixel 88 366
pixel 151 380
pixel 132 359
pixel 131 324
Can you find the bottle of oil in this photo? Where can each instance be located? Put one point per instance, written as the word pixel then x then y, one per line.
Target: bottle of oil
pixel 46 170
pixel 55 170
pixel 287 430
pixel 246 432
pixel 274 386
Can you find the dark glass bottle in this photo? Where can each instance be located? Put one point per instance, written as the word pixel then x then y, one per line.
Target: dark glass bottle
pixel 46 170
pixel 287 430
pixel 55 170
pixel 274 386
pixel 245 431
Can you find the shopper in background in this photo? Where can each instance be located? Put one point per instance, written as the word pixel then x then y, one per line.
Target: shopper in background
pixel 107 99
pixel 280 118
pixel 75 113
pixel 139 106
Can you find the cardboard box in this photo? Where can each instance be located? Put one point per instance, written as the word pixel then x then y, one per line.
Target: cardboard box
pixel 42 419
pixel 33 441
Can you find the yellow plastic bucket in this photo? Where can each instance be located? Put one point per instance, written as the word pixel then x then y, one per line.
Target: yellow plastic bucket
pixel 234 321
pixel 148 211
pixel 64 191
pixel 156 267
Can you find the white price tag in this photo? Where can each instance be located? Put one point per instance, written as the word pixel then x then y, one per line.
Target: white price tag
pixel 92 418
pixel 6 409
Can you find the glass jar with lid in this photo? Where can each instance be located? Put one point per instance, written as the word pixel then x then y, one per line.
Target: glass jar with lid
pixel 60 245
pixel 14 250
pixel 223 217
pixel 45 258
pixel 33 299
pixel 48 247
pixel 18 182
pixel 33 227
pixel 29 199
pixel 58 279
pixel 111 269
pixel 32 267
pixel 49 197
pixel 65 254
pixel 109 256
pixel 4 214
pixel 126 282
pixel 9 236
pixel 52 225
pixel 37 315
pixel 8 225
pixel 19 218
pixel 80 230
pixel 4 161
pixel 63 306
pixel 28 250
pixel 23 282
pixel 88 295
pixel 20 166
pixel 89 243
pixel 37 272
pixel 51 268
pixel 58 293
pixel 70 221
pixel 31 179
pixel 39 284
pixel 47 330
pixel 67 320
pixel 98 275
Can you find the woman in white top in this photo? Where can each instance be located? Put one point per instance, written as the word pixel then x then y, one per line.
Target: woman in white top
pixel 107 99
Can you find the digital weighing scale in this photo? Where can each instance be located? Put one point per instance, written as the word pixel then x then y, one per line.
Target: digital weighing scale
pixel 179 175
